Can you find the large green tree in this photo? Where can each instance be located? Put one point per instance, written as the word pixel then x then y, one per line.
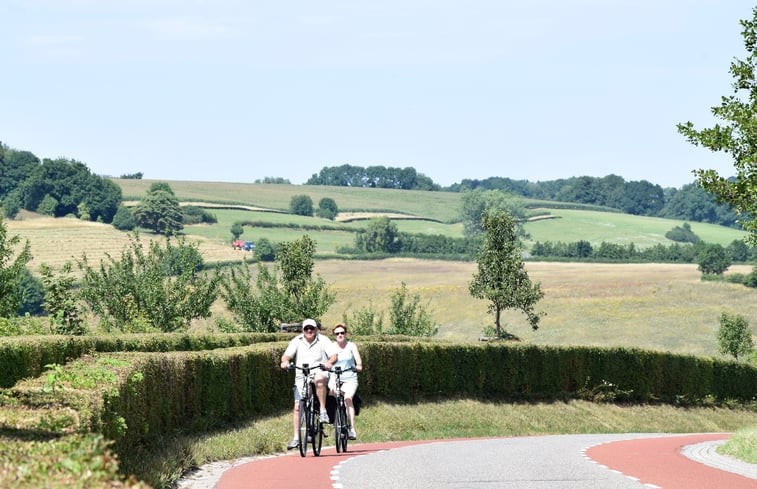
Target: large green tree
pixel 502 278
pixel 159 211
pixel 736 136
pixel 12 264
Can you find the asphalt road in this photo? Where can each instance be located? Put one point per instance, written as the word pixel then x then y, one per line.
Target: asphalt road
pixel 554 462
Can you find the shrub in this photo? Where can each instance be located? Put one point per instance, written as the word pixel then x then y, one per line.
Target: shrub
pixel 264 250
pixel 327 208
pixel 734 335
pixel 124 219
pixel 713 259
pixel 32 293
pixel 301 205
pixel 408 316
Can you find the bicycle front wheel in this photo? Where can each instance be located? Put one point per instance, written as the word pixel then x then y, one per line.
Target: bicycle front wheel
pixel 304 428
pixel 345 425
pixel 338 428
pixel 317 431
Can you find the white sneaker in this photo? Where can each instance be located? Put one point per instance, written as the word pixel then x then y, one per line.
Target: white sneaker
pixel 324 417
pixel 352 435
pixel 293 444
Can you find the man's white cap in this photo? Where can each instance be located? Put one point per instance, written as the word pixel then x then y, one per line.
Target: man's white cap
pixel 309 322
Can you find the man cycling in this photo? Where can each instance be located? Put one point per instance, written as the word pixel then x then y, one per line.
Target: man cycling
pixel 308 347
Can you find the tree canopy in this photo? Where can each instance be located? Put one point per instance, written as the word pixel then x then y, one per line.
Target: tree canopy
pixel 159 211
pixel 736 136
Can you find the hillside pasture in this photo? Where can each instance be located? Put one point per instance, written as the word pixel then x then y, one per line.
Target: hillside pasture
pixel 595 227
pixel 441 206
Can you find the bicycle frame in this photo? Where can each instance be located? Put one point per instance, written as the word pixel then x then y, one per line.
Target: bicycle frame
pixel 341 419
pixel 310 426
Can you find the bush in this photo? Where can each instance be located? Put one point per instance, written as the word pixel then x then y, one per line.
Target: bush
pixel 682 234
pixel 195 215
pixel 32 293
pixel 734 335
pixel 713 259
pixel 124 219
pixel 408 316
pixel 327 208
pixel 301 205
pixel 264 250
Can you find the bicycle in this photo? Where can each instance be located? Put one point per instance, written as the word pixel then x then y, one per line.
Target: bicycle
pixel 341 419
pixel 310 427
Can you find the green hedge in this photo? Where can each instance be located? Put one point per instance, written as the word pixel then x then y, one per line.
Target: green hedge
pixel 135 398
pixel 26 356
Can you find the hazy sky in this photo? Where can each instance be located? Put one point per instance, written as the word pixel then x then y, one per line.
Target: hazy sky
pixel 237 90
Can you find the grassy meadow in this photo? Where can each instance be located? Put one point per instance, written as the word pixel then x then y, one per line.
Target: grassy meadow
pixel 659 306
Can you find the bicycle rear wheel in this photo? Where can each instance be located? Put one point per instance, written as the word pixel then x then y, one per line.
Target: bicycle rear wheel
pixel 304 428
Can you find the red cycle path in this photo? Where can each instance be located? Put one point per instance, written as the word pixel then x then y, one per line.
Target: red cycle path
pixel 659 461
pixel 656 461
pixel 291 470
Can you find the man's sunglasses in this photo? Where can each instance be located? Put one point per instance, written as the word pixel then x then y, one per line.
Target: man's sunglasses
pixel 309 328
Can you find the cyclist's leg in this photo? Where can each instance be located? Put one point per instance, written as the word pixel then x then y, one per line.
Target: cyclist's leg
pixel 321 382
pixel 349 389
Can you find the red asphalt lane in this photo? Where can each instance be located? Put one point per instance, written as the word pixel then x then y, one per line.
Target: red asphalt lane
pixel 293 471
pixel 656 461
pixel 659 461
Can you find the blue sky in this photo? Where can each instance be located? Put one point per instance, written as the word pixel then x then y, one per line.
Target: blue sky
pixel 236 90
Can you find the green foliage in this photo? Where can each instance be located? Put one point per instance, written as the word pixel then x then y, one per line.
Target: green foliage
pixel 501 277
pixel 160 186
pixel 408 316
pixel 327 208
pixel 738 250
pixel 264 250
pixel 58 187
pixel 308 297
pixel 734 335
pixel 260 303
pixel 364 321
pixel 734 136
pixel 11 204
pixel 159 211
pixel 301 205
pixel 48 205
pixel 10 270
pixel 381 236
pixel 374 177
pixel 713 259
pixel 124 219
pixel 163 287
pixel 236 231
pixel 682 234
pixel 476 203
pixel 32 292
pixel 192 214
pixel 61 301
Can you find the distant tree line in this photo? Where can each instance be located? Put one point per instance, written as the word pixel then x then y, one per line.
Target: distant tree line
pixel 373 177
pixel 690 202
pixel 737 251
pixel 58 187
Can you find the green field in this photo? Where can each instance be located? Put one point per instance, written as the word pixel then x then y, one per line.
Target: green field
pixel 595 227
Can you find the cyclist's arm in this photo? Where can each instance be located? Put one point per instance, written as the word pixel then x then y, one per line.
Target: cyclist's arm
pixel 285 361
pixel 358 360
pixel 330 362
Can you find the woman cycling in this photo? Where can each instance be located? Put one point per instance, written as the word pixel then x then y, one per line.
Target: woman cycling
pixel 348 357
